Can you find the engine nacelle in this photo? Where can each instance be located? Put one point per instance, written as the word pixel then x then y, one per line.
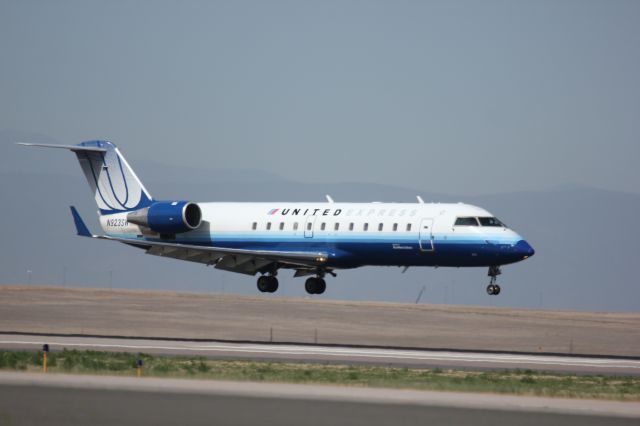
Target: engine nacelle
pixel 168 217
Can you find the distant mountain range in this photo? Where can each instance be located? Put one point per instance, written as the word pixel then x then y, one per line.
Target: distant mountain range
pixel 586 240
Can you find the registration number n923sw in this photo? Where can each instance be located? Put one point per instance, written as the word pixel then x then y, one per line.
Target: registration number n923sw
pixel 117 222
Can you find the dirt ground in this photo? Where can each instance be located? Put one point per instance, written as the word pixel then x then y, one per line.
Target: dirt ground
pixel 32 309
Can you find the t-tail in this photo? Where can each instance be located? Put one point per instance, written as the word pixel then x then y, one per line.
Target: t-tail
pixel 125 205
pixel 115 186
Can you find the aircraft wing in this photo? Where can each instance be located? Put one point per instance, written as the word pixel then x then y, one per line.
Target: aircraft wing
pixel 243 261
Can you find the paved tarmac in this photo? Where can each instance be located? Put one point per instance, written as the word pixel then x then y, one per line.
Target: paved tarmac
pixel 97 400
pixel 269 318
pixel 417 358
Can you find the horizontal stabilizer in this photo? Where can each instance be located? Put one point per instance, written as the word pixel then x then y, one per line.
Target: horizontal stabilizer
pixel 75 148
pixel 81 228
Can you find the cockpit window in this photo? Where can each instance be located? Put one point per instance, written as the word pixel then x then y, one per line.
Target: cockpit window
pixel 466 221
pixel 491 221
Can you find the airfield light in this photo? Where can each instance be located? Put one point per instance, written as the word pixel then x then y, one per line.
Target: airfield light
pixel 45 352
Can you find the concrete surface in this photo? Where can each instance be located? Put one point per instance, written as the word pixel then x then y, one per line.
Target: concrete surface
pixel 416 358
pixel 97 400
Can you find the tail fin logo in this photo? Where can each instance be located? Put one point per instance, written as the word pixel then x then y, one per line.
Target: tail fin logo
pixel 115 186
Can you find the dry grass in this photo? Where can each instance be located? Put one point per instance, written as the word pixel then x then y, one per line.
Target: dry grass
pixel 507 382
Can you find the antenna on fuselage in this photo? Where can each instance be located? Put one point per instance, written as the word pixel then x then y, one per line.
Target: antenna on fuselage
pixel 329 199
pixel 420 200
pixel 420 294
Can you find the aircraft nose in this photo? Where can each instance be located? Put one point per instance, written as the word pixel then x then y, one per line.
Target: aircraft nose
pixel 524 249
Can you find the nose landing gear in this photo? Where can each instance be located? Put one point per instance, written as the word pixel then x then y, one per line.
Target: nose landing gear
pixel 493 289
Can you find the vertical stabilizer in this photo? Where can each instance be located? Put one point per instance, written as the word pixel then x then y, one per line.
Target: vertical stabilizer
pixel 114 184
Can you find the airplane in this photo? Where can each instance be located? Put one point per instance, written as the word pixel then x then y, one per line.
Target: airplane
pixel 312 239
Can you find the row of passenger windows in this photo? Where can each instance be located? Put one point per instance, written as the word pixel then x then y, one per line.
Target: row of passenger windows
pixel 482 221
pixel 323 226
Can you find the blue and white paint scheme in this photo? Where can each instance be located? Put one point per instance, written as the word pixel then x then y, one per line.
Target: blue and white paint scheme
pixel 313 239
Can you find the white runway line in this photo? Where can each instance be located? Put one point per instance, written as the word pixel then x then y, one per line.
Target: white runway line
pixel 329 351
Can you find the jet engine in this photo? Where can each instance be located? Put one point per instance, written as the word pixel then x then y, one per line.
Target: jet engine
pixel 168 217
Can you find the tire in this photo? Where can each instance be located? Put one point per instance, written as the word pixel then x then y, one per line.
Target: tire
pixel 272 283
pixel 263 284
pixel 491 290
pixel 496 291
pixel 321 285
pixel 310 285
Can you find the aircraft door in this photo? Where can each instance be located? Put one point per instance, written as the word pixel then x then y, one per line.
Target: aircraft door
pixel 426 235
pixel 308 226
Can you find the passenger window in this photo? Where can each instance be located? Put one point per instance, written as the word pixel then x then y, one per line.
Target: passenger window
pixel 309 224
pixel 295 226
pixel 380 226
pixel 351 226
pixel 336 226
pixel 254 226
pixel 395 226
pixel 281 226
pixel 365 227
pixel 408 227
pixel 466 221
pixel 322 226
pixel 490 221
pixel 268 225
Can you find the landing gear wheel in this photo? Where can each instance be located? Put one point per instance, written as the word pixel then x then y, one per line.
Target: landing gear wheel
pixel 263 283
pixel 267 283
pixel 315 285
pixel 493 289
pixel 273 284
pixel 310 285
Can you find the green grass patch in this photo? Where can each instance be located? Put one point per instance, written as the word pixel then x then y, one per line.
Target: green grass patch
pixel 509 382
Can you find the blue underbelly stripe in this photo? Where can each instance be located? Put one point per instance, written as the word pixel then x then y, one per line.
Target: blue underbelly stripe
pixel 369 251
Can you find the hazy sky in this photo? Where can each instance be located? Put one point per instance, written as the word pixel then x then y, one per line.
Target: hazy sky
pixel 448 96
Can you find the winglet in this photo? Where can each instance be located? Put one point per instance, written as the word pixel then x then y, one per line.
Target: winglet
pixel 81 228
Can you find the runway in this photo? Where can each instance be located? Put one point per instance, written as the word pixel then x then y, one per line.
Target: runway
pixel 417 358
pixel 78 400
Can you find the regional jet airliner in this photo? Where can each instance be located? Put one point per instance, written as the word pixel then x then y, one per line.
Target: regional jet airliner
pixel 312 239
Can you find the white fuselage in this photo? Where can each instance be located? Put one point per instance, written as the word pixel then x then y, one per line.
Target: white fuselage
pixel 353 234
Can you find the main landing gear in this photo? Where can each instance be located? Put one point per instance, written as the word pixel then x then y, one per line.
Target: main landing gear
pixel 315 285
pixel 268 283
pixel 493 289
